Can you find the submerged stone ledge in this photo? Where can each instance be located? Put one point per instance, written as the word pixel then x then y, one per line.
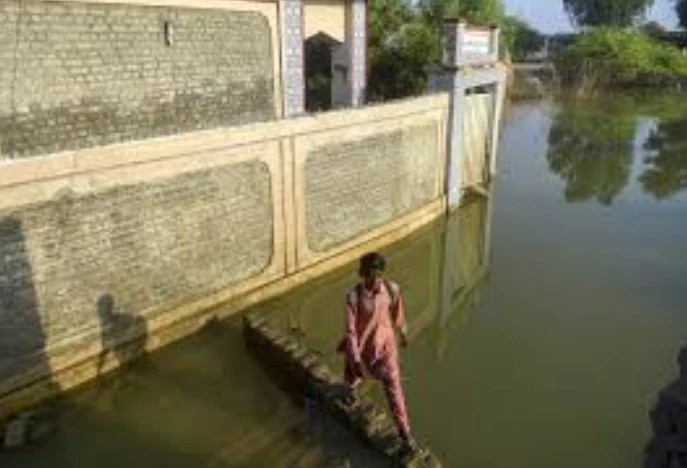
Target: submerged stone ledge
pixel 303 375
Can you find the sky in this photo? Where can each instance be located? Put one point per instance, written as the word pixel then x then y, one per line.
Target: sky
pixel 548 15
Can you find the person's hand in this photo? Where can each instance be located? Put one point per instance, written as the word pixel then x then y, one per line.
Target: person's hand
pixel 358 367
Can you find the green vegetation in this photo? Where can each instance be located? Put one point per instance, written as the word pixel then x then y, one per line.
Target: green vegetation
pixel 406 36
pixel 520 38
pixel 484 12
pixel 614 57
pixel 606 12
pixel 405 40
pixel 401 47
pixel 614 52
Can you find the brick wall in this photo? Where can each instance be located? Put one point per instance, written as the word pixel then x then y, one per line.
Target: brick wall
pixel 363 183
pixel 141 247
pixel 75 75
pixel 111 245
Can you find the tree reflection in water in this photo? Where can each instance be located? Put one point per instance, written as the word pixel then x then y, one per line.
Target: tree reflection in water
pixel 591 149
pixel 666 174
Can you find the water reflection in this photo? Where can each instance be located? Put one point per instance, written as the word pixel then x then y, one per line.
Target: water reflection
pixel 464 265
pixel 666 174
pixel 592 145
pixel 591 149
pixel 442 271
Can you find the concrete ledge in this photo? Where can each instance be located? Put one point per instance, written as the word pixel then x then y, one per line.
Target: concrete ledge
pixel 303 375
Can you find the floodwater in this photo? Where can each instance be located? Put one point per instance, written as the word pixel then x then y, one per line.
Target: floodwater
pixel 544 321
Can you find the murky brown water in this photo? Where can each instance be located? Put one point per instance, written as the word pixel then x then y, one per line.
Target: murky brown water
pixel 543 322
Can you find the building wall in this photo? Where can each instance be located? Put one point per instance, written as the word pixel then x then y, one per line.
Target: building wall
pixel 477 138
pixel 75 74
pixel 111 244
pixel 382 176
pixel 327 16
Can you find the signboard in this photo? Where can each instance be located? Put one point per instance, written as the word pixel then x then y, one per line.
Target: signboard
pixel 464 45
pixel 476 42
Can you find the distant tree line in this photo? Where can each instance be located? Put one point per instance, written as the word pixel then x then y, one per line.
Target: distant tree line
pixel 619 13
pixel 617 48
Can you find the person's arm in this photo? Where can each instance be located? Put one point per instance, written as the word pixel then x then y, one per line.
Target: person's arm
pixel 398 316
pixel 351 330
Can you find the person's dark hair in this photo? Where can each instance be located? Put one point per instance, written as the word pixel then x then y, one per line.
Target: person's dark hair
pixel 372 262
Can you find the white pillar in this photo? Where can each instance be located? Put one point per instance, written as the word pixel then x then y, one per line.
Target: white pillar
pixel 293 63
pixel 464 49
pixel 356 40
pixel 456 146
pixel 499 94
pixel 454 33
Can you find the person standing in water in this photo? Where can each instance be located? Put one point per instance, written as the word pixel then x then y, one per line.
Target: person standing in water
pixel 375 326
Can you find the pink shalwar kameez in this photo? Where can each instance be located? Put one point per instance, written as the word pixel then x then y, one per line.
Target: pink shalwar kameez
pixel 371 324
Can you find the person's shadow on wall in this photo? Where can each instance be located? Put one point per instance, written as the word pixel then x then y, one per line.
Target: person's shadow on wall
pixel 123 343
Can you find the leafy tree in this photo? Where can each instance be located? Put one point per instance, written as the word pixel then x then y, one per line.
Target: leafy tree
pixel 406 37
pixel 653 29
pixel 482 12
pixel 521 38
pixel 606 12
pixel 479 12
pixel 435 11
pixel 401 47
pixel 615 57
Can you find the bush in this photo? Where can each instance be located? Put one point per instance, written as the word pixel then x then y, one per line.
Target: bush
pixel 613 57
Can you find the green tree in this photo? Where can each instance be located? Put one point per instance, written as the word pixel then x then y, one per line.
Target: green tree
pixel 606 12
pixel 591 149
pixel 484 12
pixel 619 57
pixel 481 12
pixel 478 12
pixel 653 29
pixel 521 38
pixel 405 40
pixel 435 11
pixel 401 47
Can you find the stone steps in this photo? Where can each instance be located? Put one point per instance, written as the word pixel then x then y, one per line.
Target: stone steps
pixel 303 375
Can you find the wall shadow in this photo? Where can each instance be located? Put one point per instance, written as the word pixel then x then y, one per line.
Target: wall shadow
pixel 23 341
pixel 668 447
